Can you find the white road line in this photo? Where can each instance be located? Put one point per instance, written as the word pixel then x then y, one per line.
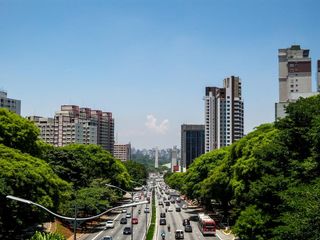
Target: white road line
pixel 218 236
pixel 97 235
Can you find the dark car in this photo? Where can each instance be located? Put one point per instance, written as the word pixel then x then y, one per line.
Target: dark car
pixel 163 221
pixel 127 231
pixel 123 221
pixel 167 203
pixel 187 228
pixel 162 215
pixel 185 222
pixel 178 209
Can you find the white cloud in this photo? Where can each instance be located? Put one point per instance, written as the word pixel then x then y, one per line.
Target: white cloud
pixel 151 124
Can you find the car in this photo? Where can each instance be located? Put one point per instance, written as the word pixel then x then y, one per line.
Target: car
pixel 170 209
pixel 184 206
pixel 179 234
pixel 160 203
pixel 188 228
pixel 178 209
pixel 127 231
pixel 173 201
pixel 110 224
pixel 185 222
pixel 124 210
pixel 163 221
pixel 167 203
pixel 128 215
pixel 178 200
pixel 146 210
pixel 123 221
pixel 162 215
pixel 134 220
pixel 106 238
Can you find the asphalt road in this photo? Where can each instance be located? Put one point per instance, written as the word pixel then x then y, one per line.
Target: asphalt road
pixel 174 219
pixel 139 230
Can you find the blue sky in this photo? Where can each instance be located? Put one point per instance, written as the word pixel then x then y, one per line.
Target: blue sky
pixel 149 62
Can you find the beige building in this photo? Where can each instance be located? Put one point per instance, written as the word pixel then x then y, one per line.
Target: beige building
pixel 224 121
pixel 122 151
pixel 13 105
pixel 295 77
pixel 77 125
pixel 46 126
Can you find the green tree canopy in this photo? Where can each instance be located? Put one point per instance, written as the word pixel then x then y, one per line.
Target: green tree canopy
pixel 81 164
pixel 17 132
pixel 24 176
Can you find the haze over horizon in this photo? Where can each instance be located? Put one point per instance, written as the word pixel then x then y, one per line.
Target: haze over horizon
pixel 148 62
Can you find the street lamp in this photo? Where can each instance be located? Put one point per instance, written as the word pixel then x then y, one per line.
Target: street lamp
pixel 112 186
pixel 70 218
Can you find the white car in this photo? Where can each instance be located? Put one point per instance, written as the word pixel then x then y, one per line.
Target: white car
pixel 128 215
pixel 170 209
pixel 184 206
pixel 124 210
pixel 146 210
pixel 110 224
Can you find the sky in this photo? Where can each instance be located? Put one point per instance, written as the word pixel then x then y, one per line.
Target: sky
pixel 149 61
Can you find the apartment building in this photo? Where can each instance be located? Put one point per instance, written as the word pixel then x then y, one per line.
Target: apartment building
pixel 295 77
pixel 73 124
pixel 224 119
pixel 46 126
pixel 11 104
pixel 192 143
pixel 122 152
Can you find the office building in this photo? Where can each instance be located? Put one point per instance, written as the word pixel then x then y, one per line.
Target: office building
pixel 13 105
pixel 224 108
pixel 122 152
pixel 192 144
pixel 294 77
pixel 73 124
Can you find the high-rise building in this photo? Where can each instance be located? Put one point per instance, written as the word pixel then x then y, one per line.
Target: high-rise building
pixel 174 159
pixel 318 76
pixel 156 158
pixel 77 125
pixel 192 144
pixel 294 77
pixel 13 105
pixel 122 152
pixel 224 121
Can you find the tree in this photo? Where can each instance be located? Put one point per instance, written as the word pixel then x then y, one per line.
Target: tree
pixel 137 171
pixel 17 132
pixel 31 178
pixel 81 164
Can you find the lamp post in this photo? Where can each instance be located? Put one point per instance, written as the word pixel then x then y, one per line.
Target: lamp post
pixel 70 218
pixel 109 185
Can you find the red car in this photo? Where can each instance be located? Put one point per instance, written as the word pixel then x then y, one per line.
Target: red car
pixel 134 220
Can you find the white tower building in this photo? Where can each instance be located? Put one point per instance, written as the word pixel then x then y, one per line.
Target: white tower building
pixel 223 114
pixel 156 161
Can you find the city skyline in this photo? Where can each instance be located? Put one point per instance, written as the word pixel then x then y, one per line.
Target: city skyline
pixel 149 62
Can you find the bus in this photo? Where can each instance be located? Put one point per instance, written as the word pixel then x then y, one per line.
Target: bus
pixel 206 225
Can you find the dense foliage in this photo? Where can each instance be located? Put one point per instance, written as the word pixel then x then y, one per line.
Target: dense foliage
pixel 56 177
pixel 137 171
pixel 47 236
pixel 267 183
pixel 17 132
pixel 31 178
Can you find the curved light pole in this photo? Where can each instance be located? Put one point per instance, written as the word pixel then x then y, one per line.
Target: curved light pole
pixel 112 186
pixel 70 218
